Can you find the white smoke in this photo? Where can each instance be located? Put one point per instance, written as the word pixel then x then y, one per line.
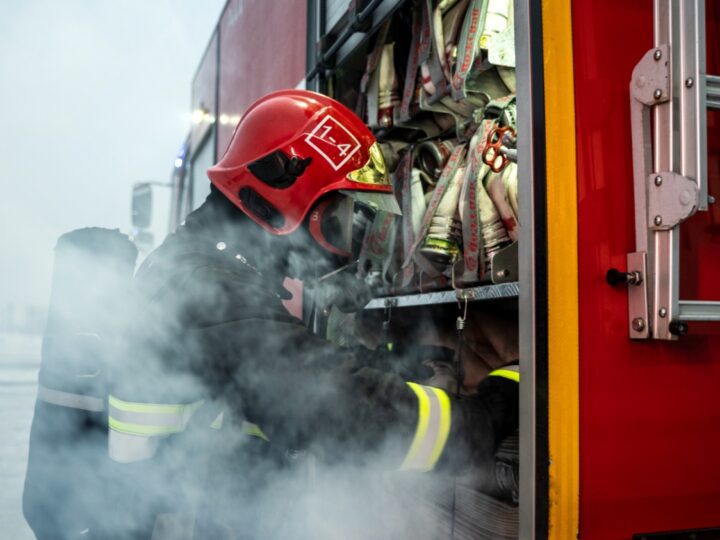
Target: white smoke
pixel 95 96
pixel 318 477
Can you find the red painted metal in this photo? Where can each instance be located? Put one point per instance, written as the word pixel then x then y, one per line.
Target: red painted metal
pixel 702 235
pixel 649 411
pixel 204 90
pixel 262 48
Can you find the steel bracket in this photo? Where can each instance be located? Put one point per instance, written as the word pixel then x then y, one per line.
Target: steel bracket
pixel 638 316
pixel 672 199
pixel 651 77
pixel 504 264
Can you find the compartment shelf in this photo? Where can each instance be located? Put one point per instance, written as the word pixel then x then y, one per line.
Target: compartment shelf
pixel 473 294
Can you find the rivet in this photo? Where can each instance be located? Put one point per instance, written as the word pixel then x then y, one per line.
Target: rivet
pixel 657 94
pixel 662 312
pixel 686 197
pixel 689 82
pixel 657 55
pixel 658 220
pixel 638 324
pixel 658 180
pixel 711 199
pixel 221 246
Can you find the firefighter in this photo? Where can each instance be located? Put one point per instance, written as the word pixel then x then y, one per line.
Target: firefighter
pixel 219 379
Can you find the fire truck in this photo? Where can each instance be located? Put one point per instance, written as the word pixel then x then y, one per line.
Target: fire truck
pixel 614 137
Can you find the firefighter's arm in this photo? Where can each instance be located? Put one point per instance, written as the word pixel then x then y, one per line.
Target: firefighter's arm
pixel 307 393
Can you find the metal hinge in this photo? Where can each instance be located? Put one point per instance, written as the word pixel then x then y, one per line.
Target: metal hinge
pixel 671 200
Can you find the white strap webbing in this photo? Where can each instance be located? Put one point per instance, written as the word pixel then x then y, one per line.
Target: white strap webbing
pixel 70 400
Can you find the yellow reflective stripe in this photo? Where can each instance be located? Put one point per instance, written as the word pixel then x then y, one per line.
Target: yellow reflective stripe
pixel 423 421
pixel 156 408
pixel 432 430
pixel 149 419
pixel 182 414
pixel 507 374
pixel 218 422
pixel 139 429
pixel 254 431
pixel 444 430
pixel 249 428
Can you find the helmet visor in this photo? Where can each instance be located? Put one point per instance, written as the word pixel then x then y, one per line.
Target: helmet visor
pixel 376 200
pixel 374 172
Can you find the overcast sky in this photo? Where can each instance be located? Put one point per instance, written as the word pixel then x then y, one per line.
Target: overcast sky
pixel 95 95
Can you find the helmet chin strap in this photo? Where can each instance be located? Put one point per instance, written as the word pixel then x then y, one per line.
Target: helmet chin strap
pixel 296 255
pixel 352 265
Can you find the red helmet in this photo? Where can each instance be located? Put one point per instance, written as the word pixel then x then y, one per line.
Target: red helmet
pixel 292 147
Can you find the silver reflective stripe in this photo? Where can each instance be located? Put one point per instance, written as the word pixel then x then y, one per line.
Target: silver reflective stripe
pixel 432 429
pixel 176 419
pixel 70 400
pixel 126 448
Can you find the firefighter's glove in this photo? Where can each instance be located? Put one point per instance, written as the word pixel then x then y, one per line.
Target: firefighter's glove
pixel 428 364
pixel 480 424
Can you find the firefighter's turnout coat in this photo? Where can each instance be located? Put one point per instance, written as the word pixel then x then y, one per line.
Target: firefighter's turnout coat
pixel 219 389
